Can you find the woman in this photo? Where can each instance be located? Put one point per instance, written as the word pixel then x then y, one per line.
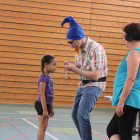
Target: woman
pixel 126 89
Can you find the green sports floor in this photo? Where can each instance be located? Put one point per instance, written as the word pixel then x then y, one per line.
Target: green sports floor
pixel 19 122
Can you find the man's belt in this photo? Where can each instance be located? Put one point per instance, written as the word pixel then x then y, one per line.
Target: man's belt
pixel 102 79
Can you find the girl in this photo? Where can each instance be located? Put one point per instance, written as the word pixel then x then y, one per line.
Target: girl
pixel 44 102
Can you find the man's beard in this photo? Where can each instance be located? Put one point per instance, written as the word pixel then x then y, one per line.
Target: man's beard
pixel 77 50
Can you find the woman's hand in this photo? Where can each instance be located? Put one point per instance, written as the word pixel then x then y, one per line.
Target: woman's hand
pixel 45 114
pixel 51 113
pixel 119 108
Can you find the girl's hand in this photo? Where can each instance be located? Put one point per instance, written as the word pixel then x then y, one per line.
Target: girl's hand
pixel 119 108
pixel 51 113
pixel 45 114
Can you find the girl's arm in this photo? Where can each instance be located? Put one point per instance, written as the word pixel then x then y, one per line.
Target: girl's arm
pixel 132 68
pixel 52 111
pixel 42 86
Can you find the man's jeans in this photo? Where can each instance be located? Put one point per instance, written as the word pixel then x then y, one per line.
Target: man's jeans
pixel 84 101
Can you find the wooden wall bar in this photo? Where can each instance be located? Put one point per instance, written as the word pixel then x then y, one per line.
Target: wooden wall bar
pixel 31 28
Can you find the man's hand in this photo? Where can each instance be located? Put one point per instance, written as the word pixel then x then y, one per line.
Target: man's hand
pixel 69 66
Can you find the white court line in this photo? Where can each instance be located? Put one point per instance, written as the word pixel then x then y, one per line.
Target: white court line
pixel 37 128
pixel 30 113
pixel 15 118
pixel 54 119
pixel 9 113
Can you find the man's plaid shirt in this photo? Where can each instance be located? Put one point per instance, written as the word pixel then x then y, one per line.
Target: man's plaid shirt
pixel 92 57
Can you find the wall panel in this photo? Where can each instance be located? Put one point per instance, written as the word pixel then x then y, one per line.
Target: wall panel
pixel 29 29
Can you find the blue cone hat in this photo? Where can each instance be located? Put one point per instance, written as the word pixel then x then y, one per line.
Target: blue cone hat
pixel 75 31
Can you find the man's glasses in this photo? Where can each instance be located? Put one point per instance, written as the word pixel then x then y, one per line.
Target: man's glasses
pixel 70 42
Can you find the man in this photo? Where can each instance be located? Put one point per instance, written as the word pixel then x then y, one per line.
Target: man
pixel 91 65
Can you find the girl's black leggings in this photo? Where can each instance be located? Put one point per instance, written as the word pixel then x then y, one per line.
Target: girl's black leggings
pixel 123 125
